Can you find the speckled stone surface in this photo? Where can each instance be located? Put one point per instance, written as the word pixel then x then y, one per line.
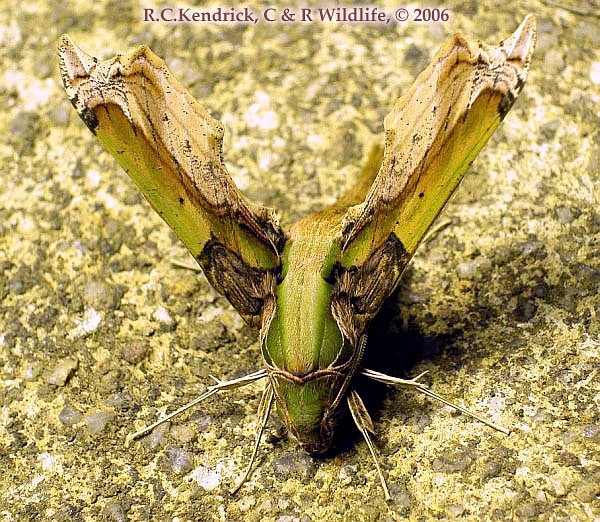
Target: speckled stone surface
pixel 100 332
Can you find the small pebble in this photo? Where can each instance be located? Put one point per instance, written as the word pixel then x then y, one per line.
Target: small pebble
pixel 347 474
pixel 295 465
pixel 135 351
pixel 158 437
pixel 246 503
pixel 454 511
pixel 401 496
pixel 266 506
pixel 183 433
pixel 87 324
pixel 564 215
pixel 558 487
pixel 31 372
pixel 474 269
pixel 525 309
pixel 492 469
pixel 526 511
pixel 62 371
pixel 99 295
pixel 120 400
pixel 288 518
pixel 97 421
pixel 69 416
pixel 587 490
pixel 202 422
pixel 568 459
pixel 591 431
pixel 554 61
pixel 115 511
pixel 179 460
pixel 60 114
pixel 548 129
pixel 162 316
pixel 459 461
pixel 533 248
pixel 207 478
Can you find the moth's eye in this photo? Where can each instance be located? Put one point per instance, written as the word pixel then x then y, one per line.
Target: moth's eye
pixel 331 277
pixel 333 274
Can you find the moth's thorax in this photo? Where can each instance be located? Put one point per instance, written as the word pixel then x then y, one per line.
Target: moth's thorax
pixel 303 336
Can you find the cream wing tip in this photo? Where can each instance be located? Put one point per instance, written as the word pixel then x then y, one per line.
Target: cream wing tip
pixel 74 63
pixel 522 42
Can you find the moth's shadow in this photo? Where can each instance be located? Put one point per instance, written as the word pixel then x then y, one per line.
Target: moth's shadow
pixel 395 346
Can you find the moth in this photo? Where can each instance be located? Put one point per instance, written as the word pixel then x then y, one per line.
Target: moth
pixel 311 291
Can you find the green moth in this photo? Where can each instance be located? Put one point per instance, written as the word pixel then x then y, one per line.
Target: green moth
pixel 312 290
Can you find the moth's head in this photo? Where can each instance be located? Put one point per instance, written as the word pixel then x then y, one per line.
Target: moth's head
pixel 308 409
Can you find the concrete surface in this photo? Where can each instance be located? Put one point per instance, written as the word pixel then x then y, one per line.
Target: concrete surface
pixel 100 332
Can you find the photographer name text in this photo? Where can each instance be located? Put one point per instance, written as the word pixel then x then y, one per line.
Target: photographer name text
pixel 247 15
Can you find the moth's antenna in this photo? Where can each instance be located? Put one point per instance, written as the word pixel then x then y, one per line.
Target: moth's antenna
pixel 415 385
pixel 364 423
pixel 264 409
pixel 215 388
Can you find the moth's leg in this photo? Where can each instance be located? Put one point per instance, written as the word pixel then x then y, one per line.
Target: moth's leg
pixel 186 265
pixel 415 385
pixel 215 388
pixel 264 409
pixel 436 229
pixel 364 424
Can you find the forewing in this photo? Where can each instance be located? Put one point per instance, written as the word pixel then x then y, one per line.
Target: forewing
pixel 432 135
pixel 172 149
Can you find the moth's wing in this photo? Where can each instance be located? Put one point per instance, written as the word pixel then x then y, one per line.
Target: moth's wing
pixel 432 135
pixel 172 149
